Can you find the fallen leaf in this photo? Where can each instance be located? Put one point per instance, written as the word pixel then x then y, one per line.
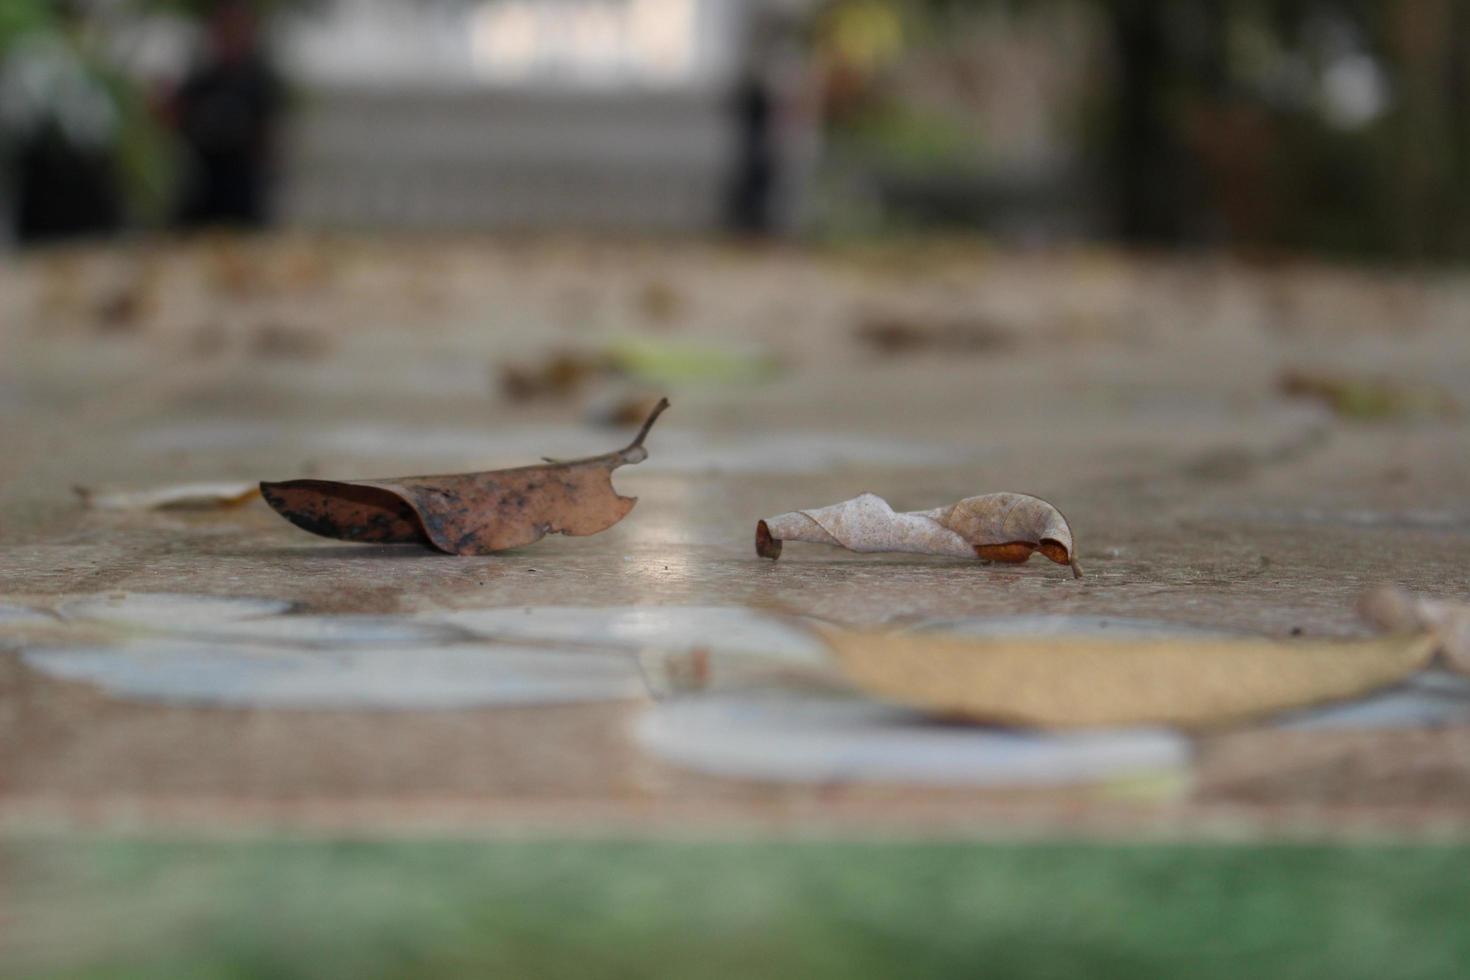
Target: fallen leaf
pixel 1367 399
pixel 281 340
pixel 469 513
pixel 897 334
pixel 1004 527
pixel 181 496
pixel 567 374
pixel 1079 682
pixel 660 302
pixel 233 271
pixel 656 361
pixel 122 311
pixel 1397 611
pixel 309 266
pixel 561 375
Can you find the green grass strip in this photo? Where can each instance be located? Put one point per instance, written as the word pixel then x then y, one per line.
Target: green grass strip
pixel 121 909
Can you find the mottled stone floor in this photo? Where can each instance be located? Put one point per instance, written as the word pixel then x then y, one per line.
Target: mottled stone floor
pixel 1141 395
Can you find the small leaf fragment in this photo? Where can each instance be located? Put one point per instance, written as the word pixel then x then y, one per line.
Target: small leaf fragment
pixel 1003 527
pixel 469 513
pixel 1057 682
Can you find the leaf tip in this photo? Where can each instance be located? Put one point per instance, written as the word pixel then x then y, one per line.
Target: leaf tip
pixel 766 546
pixel 270 491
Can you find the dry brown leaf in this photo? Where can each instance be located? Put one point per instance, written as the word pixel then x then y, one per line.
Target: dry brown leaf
pixel 285 341
pixel 1004 527
pixel 233 270
pixel 181 496
pixel 660 302
pixel 1083 682
pixel 562 375
pixel 898 334
pixel 1398 611
pixel 124 310
pixel 469 513
pixel 1370 399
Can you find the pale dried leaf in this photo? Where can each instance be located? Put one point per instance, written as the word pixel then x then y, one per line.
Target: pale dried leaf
pixel 1060 682
pixel 180 496
pixel 1005 527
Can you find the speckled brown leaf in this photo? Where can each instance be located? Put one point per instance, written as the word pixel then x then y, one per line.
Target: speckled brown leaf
pixel 470 513
pixel 1005 527
pixel 1057 682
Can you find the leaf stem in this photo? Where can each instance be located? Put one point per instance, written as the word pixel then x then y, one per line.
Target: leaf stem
pixel 658 410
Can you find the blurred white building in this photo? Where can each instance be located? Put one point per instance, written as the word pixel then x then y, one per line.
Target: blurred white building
pixel 568 44
pixel 507 113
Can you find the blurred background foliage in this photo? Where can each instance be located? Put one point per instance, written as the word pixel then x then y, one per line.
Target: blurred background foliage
pixel 1334 127
pixel 1329 126
pixel 63 60
pixel 57 68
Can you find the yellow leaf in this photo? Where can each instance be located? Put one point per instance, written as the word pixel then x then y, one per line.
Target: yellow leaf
pixel 1085 682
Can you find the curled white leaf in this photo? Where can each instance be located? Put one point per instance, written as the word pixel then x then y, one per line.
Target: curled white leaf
pixel 1005 527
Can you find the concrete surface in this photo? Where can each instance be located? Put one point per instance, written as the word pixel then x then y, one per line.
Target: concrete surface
pixel 1139 394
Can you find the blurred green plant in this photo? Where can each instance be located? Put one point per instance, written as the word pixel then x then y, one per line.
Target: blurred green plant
pixel 195 9
pixel 21 17
pixel 908 138
pixel 1332 127
pixel 56 41
pixel 145 150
